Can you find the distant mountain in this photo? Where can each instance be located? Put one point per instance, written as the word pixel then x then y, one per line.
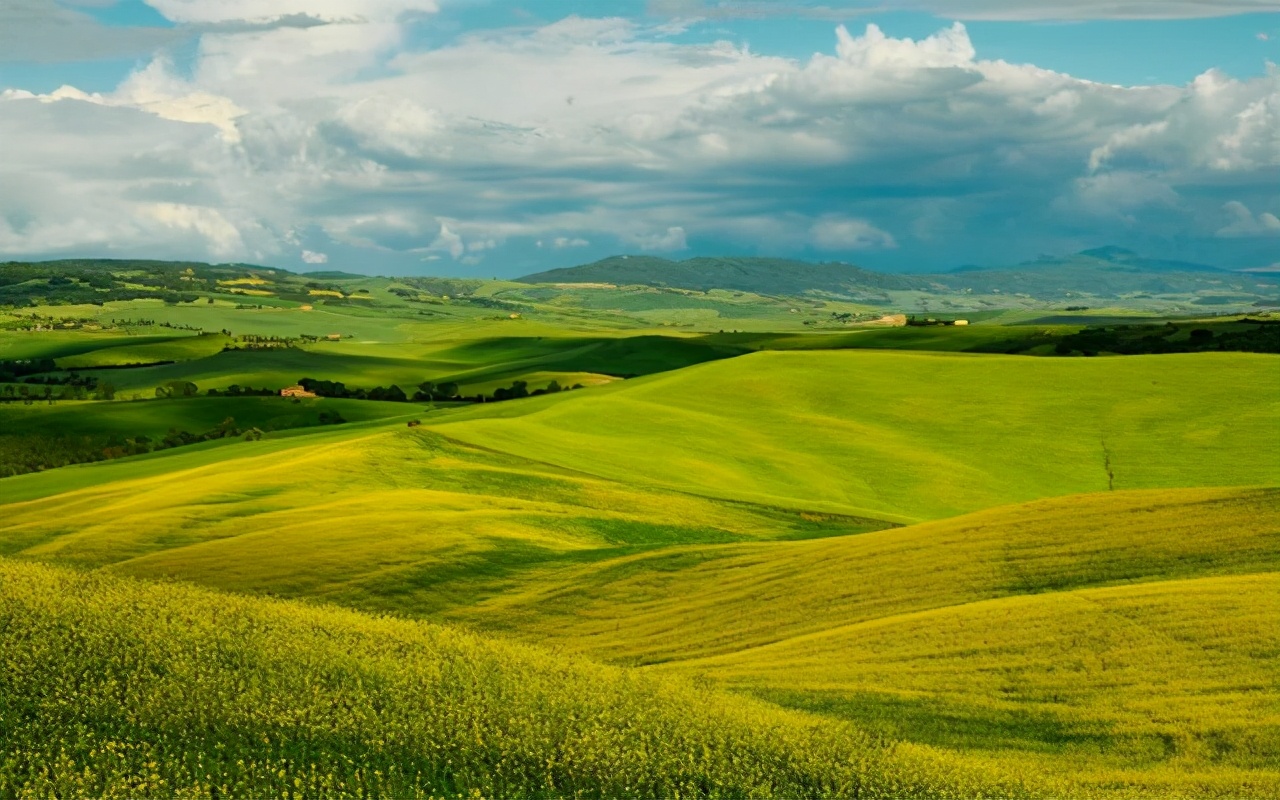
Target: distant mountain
pixel 1100 272
pixel 759 275
pixel 1111 257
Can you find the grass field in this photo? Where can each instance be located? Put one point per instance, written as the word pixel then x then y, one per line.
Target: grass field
pixel 765 563
pixel 117 689
pixel 906 436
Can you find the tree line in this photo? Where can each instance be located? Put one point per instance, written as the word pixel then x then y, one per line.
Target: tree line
pixel 21 453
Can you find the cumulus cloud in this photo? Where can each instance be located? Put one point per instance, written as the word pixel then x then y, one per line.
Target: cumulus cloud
pixel 448 241
pixel 668 241
pixel 614 136
pixel 839 233
pixel 223 238
pixel 970 9
pixel 1245 223
pixel 312 257
pixel 217 11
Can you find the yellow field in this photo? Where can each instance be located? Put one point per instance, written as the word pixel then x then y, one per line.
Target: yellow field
pixel 697 601
pixel 115 688
pixel 1167 687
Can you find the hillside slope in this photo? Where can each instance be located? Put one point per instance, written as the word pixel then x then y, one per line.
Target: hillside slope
pixel 114 688
pixel 698 601
pixel 1107 272
pixel 761 275
pixel 910 436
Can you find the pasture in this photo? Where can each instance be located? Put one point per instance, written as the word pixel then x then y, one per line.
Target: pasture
pixel 750 558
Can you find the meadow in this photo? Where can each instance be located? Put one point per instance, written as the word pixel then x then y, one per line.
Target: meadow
pixel 762 552
pixel 113 688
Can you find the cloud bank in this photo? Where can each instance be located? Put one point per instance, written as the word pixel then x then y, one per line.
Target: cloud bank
pixel 294 144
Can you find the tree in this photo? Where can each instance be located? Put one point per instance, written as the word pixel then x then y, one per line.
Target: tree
pixel 177 389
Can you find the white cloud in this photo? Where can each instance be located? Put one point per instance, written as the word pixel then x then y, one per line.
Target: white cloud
pixel 156 90
pixel 1128 138
pixel 449 242
pixel 312 257
pixel 1093 9
pixel 1244 223
pixel 223 237
pixel 614 132
pixel 840 233
pixel 969 9
pixel 215 11
pixel 671 240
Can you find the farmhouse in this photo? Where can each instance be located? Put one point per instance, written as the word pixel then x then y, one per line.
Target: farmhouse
pixel 296 391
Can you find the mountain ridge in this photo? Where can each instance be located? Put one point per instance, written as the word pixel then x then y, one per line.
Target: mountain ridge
pixel 1103 271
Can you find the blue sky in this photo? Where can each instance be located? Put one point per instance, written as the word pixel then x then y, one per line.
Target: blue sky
pixel 476 137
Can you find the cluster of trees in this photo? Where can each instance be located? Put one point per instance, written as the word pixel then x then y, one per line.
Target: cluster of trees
pixel 236 390
pixel 28 395
pixel 23 453
pixel 1255 336
pixel 251 341
pixel 11 371
pixel 428 391
pixel 177 389
pixel 324 388
pixel 520 389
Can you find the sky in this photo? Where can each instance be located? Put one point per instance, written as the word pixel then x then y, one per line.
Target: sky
pixel 493 139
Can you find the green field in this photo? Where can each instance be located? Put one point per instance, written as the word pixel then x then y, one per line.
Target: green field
pixel 750 557
pixel 907 436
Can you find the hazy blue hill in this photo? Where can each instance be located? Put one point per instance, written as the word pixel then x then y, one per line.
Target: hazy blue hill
pixel 1103 272
pixel 743 274
pixel 1106 272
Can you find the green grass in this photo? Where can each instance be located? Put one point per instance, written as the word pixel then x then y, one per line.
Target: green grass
pixel 16 345
pixel 1087 594
pixel 186 348
pixel 909 436
pixel 398 521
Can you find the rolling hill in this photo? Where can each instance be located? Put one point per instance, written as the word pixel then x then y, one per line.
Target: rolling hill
pixel 760 275
pixel 116 688
pixel 909 436
pixel 1107 272
pixel 811 569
